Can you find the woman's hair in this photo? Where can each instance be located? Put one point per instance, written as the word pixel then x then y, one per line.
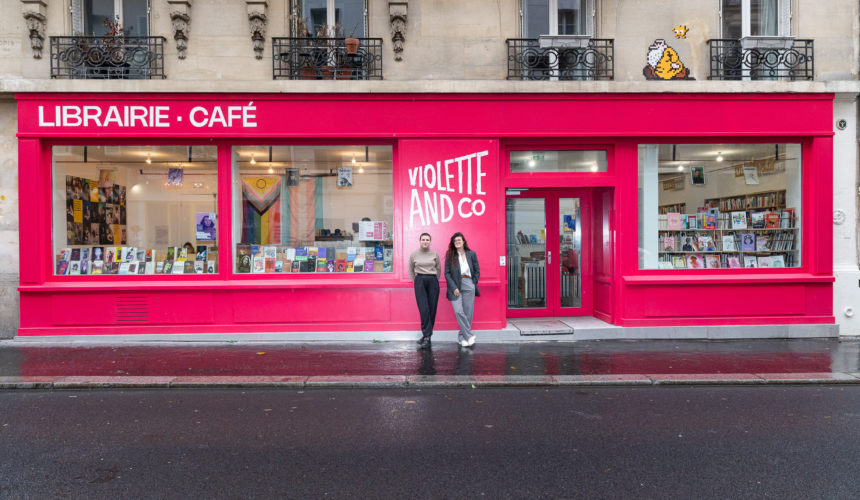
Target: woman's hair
pixel 451 254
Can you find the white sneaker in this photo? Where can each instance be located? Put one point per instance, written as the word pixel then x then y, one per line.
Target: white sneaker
pixel 465 343
pixel 472 340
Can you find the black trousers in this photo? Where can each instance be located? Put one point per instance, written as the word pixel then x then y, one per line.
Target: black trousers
pixel 427 297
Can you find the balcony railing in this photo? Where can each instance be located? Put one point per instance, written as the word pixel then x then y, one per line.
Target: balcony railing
pixel 527 60
pixel 326 59
pixel 787 59
pixel 106 57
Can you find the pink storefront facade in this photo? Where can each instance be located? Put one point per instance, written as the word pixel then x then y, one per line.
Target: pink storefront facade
pixel 451 170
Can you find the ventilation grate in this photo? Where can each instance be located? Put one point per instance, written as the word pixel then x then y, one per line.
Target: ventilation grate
pixel 132 309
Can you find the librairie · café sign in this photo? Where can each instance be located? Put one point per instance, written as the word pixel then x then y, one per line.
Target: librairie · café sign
pixel 209 116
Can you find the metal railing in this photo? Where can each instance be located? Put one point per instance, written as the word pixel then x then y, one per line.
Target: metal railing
pixel 527 60
pixel 107 57
pixel 306 58
pixel 731 60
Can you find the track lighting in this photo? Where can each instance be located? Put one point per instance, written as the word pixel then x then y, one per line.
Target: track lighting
pixel 253 161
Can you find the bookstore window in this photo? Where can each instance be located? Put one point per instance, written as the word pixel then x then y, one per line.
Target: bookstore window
pixel 124 210
pixel 715 206
pixel 558 161
pixel 312 209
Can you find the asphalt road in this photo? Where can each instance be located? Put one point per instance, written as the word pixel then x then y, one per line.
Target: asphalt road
pixel 653 442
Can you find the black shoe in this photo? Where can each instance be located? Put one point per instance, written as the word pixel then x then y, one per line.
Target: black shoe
pixel 421 340
pixel 424 343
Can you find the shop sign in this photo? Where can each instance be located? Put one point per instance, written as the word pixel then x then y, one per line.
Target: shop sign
pixel 436 186
pixel 133 116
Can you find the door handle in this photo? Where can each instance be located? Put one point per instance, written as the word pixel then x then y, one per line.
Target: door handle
pixel 549 258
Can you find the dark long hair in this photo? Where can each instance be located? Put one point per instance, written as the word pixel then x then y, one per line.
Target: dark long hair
pixel 451 254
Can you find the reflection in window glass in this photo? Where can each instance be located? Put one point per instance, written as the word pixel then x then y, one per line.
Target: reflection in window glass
pixel 558 161
pixel 312 209
pixel 122 210
pixel 714 206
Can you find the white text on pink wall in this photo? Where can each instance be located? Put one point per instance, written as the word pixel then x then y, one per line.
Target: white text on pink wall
pixel 448 188
pixel 132 116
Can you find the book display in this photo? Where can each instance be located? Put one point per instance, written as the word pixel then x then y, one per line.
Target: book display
pixel 748 231
pixel 277 259
pixel 131 260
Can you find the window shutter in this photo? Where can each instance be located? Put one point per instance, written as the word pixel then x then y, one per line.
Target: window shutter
pixel 589 24
pixel 77 15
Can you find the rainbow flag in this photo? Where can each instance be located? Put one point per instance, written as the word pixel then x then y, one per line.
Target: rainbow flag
pixel 261 210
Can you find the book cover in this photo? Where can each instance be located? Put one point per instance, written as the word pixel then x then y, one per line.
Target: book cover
pixel 340 265
pixel 739 220
pixel 710 220
pixel 313 252
pixel 389 253
pixel 132 267
pixel 689 244
pixel 329 266
pixel 358 264
pixel 85 254
pixel 679 262
pixel 258 264
pixel 243 258
pixel 786 218
pixel 66 254
pixel 695 262
pixel 368 265
pixel 321 253
pixel 777 261
pixel 387 266
pixel 98 267
pixel 747 242
pixel 141 267
pixel 149 255
pixel 202 253
pixel 304 266
pixel 762 244
pixel 140 255
pixel 706 244
pixel 164 267
pixel 301 253
pixel 171 253
pixel 98 253
pixel 76 254
pixel 664 264
pixel 296 266
pixel 211 266
pixel 729 243
pixel 129 254
pixel 350 267
pixel 63 268
pixel 340 255
pixel 85 267
pixel 378 253
pixel 75 267
pixel 668 243
pixel 771 220
pixel 350 254
pixel 673 221
pixel 692 221
pixel 268 265
pixel 764 261
pixel 757 220
pixel 279 266
pixel 288 266
pixel 187 268
pixel 270 252
pixel 124 267
pixel 712 261
pixel 291 253
pixel 321 265
pixel 199 266
pixel 750 261
pixel 734 262
pixel 149 267
pixel 183 254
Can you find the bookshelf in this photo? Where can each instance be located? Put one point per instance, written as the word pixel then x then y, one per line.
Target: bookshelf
pixel 741 231
pixel 672 207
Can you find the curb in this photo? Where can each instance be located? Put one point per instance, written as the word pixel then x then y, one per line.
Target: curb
pixel 419 381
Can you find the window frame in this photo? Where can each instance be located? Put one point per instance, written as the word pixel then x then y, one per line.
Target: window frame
pixel 784 20
pixel 78 16
pixel 296 8
pixel 590 9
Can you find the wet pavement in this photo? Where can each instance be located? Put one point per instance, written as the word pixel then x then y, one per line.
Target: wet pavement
pixel 696 359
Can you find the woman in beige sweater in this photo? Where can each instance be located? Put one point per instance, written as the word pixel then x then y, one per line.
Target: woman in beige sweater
pixel 425 268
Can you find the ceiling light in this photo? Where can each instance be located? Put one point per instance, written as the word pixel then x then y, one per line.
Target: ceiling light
pixel 594 168
pixel 531 163
pixel 353 158
pixel 148 159
pixel 271 170
pixel 360 170
pixel 253 161
pixel 680 168
pixel 719 156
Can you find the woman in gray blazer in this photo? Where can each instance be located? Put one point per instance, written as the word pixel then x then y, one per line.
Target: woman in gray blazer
pixel 461 275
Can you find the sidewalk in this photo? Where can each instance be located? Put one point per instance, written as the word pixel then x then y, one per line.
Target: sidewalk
pixel 68 365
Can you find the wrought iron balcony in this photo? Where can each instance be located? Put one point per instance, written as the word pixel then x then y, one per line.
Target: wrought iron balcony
pixel 528 60
pixel 107 57
pixel 308 58
pixel 775 59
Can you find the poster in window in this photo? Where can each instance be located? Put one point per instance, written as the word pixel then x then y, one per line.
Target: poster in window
pixel 751 175
pixel 205 226
pixel 344 177
pixel 697 176
pixel 174 177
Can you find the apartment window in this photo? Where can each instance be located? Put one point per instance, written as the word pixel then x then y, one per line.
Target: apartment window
pixel 332 18
pixel 89 16
pixel 744 18
pixel 557 17
pixel 718 206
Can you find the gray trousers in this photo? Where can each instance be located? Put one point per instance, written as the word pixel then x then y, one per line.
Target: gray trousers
pixel 464 308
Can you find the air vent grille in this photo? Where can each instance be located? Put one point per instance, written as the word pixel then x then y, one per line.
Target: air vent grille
pixel 132 309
